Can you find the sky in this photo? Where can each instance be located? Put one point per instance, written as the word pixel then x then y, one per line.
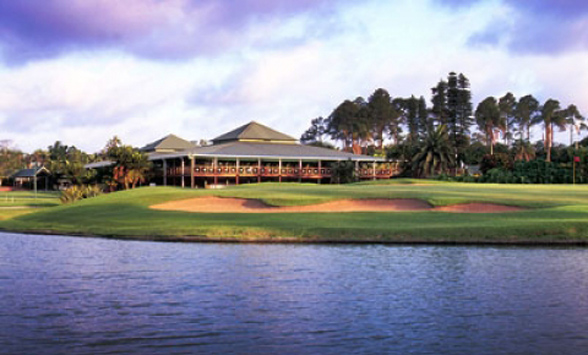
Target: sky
pixel 82 71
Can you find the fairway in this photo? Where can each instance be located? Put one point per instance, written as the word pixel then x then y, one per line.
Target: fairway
pixel 28 199
pixel 552 214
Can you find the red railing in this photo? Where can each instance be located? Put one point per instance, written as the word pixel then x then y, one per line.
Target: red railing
pixel 274 171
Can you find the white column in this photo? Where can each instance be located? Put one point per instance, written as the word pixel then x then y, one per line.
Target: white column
pixel 237 172
pixel 192 183
pixel 183 173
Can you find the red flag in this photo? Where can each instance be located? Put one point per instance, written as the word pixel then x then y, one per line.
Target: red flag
pixel 577 159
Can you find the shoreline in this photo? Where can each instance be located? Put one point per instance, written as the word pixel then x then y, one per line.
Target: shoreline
pixel 309 241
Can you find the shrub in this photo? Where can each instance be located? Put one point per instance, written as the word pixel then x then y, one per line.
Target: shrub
pixel 498 160
pixel 498 175
pixel 76 193
pixel 343 172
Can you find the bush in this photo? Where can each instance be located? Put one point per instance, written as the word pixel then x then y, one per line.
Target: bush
pixel 498 160
pixel 498 175
pixel 76 193
pixel 343 172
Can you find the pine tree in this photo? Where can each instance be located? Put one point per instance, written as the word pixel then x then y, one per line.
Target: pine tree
pixel 452 106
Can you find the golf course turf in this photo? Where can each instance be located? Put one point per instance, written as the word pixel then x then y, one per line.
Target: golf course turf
pixel 551 214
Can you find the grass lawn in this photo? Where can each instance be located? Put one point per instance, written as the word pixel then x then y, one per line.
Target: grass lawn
pixel 28 199
pixel 556 214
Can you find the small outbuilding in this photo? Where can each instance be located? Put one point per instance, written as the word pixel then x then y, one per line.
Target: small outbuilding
pixel 34 178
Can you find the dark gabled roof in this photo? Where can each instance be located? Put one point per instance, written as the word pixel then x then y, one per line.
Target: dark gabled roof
pixel 29 173
pixel 253 150
pixel 169 142
pixel 99 164
pixel 253 131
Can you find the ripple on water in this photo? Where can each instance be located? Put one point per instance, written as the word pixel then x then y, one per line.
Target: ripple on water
pixel 74 295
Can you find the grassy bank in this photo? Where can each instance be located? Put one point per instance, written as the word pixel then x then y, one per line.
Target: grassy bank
pixel 556 214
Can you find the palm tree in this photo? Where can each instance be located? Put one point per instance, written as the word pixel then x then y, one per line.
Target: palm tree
pixel 523 150
pixel 525 114
pixel 489 120
pixel 574 120
pixel 551 116
pixel 435 156
pixel 507 106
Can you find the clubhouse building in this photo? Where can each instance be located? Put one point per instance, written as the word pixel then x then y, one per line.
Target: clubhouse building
pixel 253 153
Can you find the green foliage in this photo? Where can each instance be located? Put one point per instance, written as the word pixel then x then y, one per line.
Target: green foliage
pixel 489 120
pixel 474 154
pixel 343 172
pixel 498 160
pixel 314 135
pixel 435 155
pixel 67 162
pixel 525 115
pixel 79 192
pixel 348 124
pixel 11 160
pixel 382 116
pixel 452 107
pixel 551 117
pixel 507 106
pixel 131 168
pixel 403 152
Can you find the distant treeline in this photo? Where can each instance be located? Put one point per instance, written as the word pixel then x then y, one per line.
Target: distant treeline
pixel 439 138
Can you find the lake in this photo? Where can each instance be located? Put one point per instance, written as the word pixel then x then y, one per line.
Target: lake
pixel 98 296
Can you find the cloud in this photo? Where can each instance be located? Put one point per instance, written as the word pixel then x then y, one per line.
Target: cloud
pixel 162 29
pixel 534 27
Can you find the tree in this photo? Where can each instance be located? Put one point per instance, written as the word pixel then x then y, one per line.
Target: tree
pixel 507 105
pixel 382 115
pixel 131 165
pixel 67 162
pixel 112 143
pixel 435 155
pixel 523 150
pixel 348 123
pixel 525 115
pixel 452 106
pixel 316 132
pixel 489 120
pixel 551 116
pixel 415 116
pixel 11 159
pixel 439 100
pixel 39 157
pixel 574 120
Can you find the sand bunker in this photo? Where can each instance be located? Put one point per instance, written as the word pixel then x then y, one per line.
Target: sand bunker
pixel 478 208
pixel 213 204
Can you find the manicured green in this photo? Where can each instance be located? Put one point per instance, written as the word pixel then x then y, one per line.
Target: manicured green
pixel 556 214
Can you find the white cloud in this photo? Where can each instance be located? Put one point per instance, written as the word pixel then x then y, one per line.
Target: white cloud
pixel 402 46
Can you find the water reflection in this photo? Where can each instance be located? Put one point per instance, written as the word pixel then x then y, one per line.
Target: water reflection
pixel 63 295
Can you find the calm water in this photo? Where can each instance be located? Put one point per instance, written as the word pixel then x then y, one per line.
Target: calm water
pixel 95 296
